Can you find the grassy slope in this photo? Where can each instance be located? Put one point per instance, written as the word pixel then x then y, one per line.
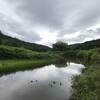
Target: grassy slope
pixel 10 41
pixel 21 59
pixel 84 55
pixel 86 45
pixel 8 52
pixel 91 55
pixel 87 85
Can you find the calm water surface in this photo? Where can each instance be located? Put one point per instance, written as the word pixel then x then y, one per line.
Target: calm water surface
pixel 47 83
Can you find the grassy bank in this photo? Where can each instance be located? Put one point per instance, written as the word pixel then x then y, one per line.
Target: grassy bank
pixel 7 66
pixel 21 59
pixel 87 85
pixel 84 55
pixel 8 52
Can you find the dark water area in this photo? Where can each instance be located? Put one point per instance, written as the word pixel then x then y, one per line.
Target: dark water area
pixel 47 83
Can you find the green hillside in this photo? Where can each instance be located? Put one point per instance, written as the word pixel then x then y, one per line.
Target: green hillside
pixel 8 52
pixel 9 41
pixel 86 45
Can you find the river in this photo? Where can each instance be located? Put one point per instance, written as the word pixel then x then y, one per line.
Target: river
pixel 47 83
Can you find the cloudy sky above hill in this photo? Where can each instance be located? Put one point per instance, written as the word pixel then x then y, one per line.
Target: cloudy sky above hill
pixel 48 21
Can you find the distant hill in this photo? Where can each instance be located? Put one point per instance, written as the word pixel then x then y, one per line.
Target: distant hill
pixel 86 45
pixel 9 41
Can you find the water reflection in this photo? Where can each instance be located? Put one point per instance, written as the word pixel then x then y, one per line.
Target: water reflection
pixel 47 83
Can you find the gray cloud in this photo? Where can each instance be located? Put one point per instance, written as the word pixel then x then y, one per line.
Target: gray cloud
pixel 16 30
pixel 90 34
pixel 65 16
pixel 11 24
pixel 94 31
pixel 43 12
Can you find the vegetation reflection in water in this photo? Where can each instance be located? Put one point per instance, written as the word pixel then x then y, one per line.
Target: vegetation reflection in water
pixel 47 83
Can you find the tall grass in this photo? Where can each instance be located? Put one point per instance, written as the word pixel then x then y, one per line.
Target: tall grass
pixel 87 85
pixel 84 55
pixel 27 59
pixel 7 66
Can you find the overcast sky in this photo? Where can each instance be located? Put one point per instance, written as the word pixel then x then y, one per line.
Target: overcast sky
pixel 48 21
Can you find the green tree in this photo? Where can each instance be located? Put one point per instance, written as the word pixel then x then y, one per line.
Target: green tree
pixel 60 46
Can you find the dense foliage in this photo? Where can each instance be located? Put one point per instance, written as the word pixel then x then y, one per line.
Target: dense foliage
pixel 87 85
pixel 86 55
pixel 8 52
pixel 60 46
pixel 9 41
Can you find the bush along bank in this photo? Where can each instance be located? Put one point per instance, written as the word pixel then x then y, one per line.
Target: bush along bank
pixel 87 85
pixel 83 55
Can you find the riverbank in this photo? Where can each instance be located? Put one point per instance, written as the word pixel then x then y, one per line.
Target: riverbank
pixel 87 85
pixel 7 66
pixel 92 55
pixel 14 59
